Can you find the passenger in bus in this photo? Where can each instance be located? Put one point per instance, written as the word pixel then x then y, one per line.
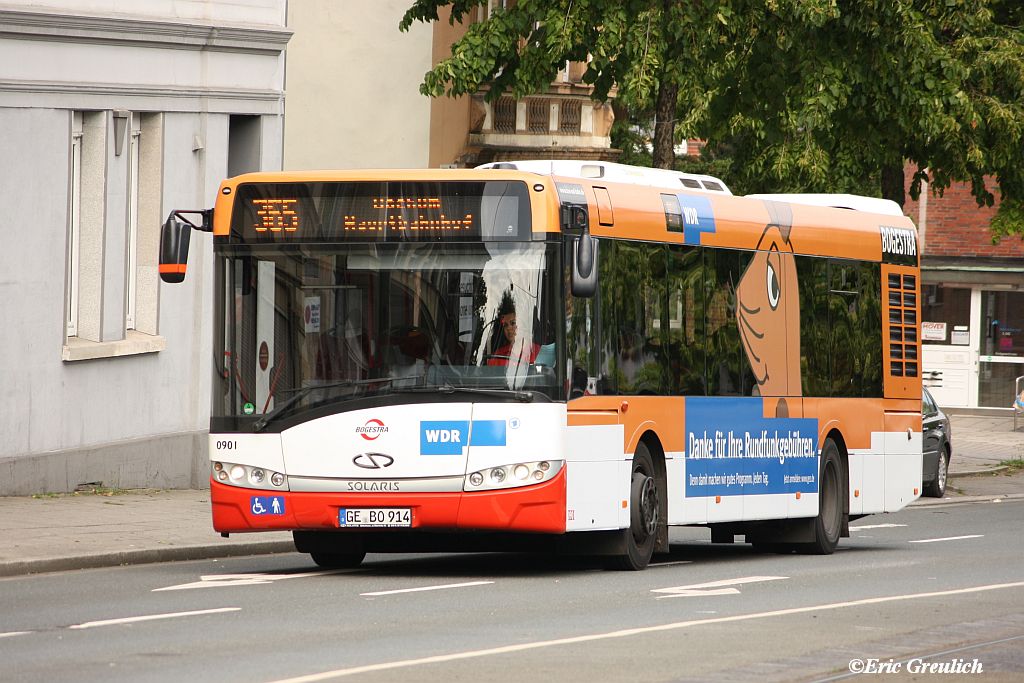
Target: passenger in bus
pixel 509 349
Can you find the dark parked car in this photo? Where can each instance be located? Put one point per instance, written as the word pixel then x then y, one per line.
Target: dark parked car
pixel 937 448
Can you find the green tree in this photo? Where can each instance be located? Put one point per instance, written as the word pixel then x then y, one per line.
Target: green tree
pixel 642 48
pixel 808 95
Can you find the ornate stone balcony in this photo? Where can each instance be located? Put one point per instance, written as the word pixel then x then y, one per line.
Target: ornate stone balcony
pixel 561 123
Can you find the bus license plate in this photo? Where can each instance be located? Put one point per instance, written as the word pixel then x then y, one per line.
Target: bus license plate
pixel 377 517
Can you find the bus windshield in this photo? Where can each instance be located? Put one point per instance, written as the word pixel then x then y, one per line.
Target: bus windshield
pixel 315 327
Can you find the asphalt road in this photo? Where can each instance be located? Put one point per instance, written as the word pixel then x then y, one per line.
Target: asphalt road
pixel 937 585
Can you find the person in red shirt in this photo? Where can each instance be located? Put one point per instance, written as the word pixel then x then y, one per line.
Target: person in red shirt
pixel 504 352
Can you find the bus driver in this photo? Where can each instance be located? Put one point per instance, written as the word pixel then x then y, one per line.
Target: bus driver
pixel 501 355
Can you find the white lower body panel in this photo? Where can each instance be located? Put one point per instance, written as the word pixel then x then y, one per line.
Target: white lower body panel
pixel 597 479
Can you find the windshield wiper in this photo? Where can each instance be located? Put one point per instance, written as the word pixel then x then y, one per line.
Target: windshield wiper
pixel 302 392
pixel 523 396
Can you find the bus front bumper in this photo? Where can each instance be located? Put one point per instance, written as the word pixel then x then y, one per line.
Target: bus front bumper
pixel 531 509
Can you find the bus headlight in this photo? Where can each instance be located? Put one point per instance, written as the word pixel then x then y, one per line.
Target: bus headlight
pixel 510 476
pixel 248 477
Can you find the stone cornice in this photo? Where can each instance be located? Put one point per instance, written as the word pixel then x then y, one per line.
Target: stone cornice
pixel 139 32
pixel 64 88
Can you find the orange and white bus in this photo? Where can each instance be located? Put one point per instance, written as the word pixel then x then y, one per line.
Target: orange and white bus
pixel 554 355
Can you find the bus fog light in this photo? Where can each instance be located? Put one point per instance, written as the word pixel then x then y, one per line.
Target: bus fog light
pixel 257 476
pixel 237 472
pixel 222 475
pixel 277 479
pixel 521 472
pixel 218 466
pixel 498 474
pixel 538 475
pixel 476 479
pixel 544 466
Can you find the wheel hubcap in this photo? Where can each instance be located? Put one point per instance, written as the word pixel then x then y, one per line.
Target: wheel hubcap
pixel 644 515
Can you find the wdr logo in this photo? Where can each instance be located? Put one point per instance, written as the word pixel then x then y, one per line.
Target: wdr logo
pixel 446 437
pixel 449 437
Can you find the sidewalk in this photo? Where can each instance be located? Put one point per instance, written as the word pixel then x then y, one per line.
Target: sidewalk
pixel 84 530
pixel 981 442
pixel 78 531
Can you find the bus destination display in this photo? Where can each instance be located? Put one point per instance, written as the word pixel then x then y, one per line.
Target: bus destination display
pixel 375 211
pixel 409 213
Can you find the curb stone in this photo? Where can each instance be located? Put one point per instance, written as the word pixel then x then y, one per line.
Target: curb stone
pixel 148 556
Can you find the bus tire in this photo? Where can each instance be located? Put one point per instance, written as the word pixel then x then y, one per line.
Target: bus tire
pixel 338 560
pixel 828 525
pixel 639 538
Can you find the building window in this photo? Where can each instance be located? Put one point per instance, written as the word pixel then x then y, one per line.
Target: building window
pixel 492 7
pixel 131 272
pixel 538 116
pixel 113 234
pixel 85 223
pixel 569 117
pixel 505 115
pixel 74 225
pixel 945 315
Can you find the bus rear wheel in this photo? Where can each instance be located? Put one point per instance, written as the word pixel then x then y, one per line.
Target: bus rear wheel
pixel 644 504
pixel 829 522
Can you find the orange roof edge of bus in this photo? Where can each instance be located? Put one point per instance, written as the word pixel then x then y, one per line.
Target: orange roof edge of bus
pixel 820 228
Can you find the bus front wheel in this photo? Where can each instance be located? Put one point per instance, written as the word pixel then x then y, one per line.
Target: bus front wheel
pixel 338 560
pixel 829 522
pixel 644 513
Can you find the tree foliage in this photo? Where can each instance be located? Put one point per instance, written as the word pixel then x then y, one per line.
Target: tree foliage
pixel 808 95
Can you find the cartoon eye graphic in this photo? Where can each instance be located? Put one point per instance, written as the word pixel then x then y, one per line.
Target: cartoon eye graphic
pixel 773 287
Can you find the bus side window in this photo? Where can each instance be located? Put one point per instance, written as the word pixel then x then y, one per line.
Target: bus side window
pixel 686 342
pixel 728 371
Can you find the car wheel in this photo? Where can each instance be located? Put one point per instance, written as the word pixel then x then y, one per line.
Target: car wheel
pixel 937 488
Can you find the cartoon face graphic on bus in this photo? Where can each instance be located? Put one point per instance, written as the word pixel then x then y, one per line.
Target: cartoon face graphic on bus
pixel 768 308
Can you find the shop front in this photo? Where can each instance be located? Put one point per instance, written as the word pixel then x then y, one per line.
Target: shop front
pixel 973 336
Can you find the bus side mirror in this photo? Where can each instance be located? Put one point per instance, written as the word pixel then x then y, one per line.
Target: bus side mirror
pixel 583 280
pixel 174 239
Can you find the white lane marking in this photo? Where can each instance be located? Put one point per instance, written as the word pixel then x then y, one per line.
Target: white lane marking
pixel 875 526
pixel 225 580
pixel 14 633
pixel 712 587
pixel 506 649
pixel 429 588
pixel 152 617
pixel 949 538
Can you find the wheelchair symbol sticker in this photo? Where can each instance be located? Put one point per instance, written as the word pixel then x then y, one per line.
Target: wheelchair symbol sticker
pixel 267 505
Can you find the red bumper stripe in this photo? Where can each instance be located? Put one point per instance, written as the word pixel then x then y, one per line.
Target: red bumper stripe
pixel 538 509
